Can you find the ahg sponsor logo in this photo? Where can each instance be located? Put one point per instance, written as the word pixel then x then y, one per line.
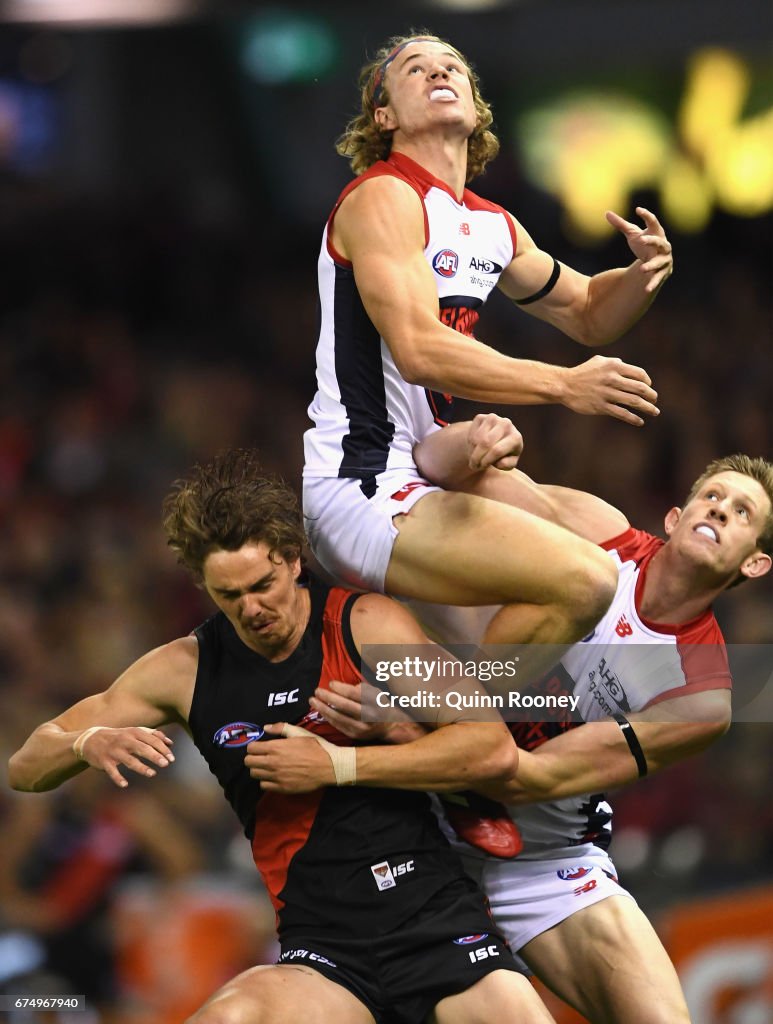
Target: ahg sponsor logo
pixel 484 266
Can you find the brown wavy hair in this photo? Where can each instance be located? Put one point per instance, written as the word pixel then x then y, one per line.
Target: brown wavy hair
pixel 363 143
pixel 226 503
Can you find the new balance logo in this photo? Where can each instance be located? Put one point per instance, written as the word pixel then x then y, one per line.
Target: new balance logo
pixel 464 228
pixel 623 627
pixel 403 493
pixel 588 887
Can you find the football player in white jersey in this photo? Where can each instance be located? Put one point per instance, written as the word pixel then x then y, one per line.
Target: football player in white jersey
pixel 409 255
pixel 654 688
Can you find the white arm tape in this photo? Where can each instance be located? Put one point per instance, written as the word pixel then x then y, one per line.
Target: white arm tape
pixel 77 747
pixel 344 759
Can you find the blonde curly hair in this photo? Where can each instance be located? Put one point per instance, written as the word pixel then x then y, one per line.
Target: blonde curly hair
pixel 363 143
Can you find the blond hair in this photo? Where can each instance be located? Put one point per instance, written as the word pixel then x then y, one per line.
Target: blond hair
pixel 364 143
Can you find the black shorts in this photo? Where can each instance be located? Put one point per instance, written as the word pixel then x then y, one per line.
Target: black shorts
pixel 400 976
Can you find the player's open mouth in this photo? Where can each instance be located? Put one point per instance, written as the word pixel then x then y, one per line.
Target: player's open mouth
pixel 707 531
pixel 442 93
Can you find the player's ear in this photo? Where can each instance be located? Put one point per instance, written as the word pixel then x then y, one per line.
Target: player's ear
pixel 672 518
pixel 384 116
pixel 756 565
pixel 385 119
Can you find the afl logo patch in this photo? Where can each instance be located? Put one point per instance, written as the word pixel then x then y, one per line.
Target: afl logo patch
pixel 445 263
pixel 237 734
pixel 572 874
pixel 470 940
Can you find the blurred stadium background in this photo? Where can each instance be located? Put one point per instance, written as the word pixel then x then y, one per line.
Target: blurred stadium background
pixel 165 171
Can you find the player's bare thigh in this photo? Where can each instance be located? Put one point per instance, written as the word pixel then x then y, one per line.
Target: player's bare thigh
pixel 501 996
pixel 608 962
pixel 282 994
pixel 458 548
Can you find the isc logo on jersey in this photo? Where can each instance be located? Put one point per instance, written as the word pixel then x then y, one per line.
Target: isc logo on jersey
pixel 283 697
pixel 445 263
pixel 386 876
pixel 237 734
pixel 482 952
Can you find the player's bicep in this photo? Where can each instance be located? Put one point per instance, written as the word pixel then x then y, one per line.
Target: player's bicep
pixel 531 271
pixel 401 656
pixel 712 706
pixel 153 691
pixel 677 728
pixel 380 227
pixel 114 709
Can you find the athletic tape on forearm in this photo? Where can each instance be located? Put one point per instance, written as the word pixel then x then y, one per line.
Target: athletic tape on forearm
pixel 344 759
pixel 77 747
pixel 633 744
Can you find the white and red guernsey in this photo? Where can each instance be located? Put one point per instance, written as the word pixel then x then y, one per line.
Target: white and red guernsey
pixel 626 664
pixel 367 418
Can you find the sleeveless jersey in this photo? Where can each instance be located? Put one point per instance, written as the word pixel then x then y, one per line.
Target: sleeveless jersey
pixel 367 417
pixel 626 664
pixel 359 858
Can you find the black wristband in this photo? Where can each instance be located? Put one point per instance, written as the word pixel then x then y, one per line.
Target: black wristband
pixel 547 287
pixel 633 744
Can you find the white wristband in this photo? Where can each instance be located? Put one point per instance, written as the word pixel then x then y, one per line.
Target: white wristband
pixel 77 747
pixel 343 759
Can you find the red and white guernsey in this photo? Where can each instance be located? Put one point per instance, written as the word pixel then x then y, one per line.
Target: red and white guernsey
pixel 626 664
pixel 367 418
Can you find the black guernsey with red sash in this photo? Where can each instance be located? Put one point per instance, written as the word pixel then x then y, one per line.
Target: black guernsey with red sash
pixel 360 859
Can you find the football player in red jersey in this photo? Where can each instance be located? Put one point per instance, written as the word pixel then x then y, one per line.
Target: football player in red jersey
pixel 376 918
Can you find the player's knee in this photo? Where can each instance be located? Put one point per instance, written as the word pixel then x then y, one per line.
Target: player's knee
pixel 229 1009
pixel 215 1014
pixel 591 586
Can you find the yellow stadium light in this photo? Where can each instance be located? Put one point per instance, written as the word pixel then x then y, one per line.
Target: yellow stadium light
pixel 686 196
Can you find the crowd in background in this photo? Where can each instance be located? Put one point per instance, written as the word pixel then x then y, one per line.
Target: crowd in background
pixel 136 340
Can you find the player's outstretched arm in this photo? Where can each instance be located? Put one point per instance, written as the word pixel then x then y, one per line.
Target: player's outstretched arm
pixel 597 756
pixel 478 457
pixel 466 747
pixel 115 729
pixel 380 229
pixel 592 310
